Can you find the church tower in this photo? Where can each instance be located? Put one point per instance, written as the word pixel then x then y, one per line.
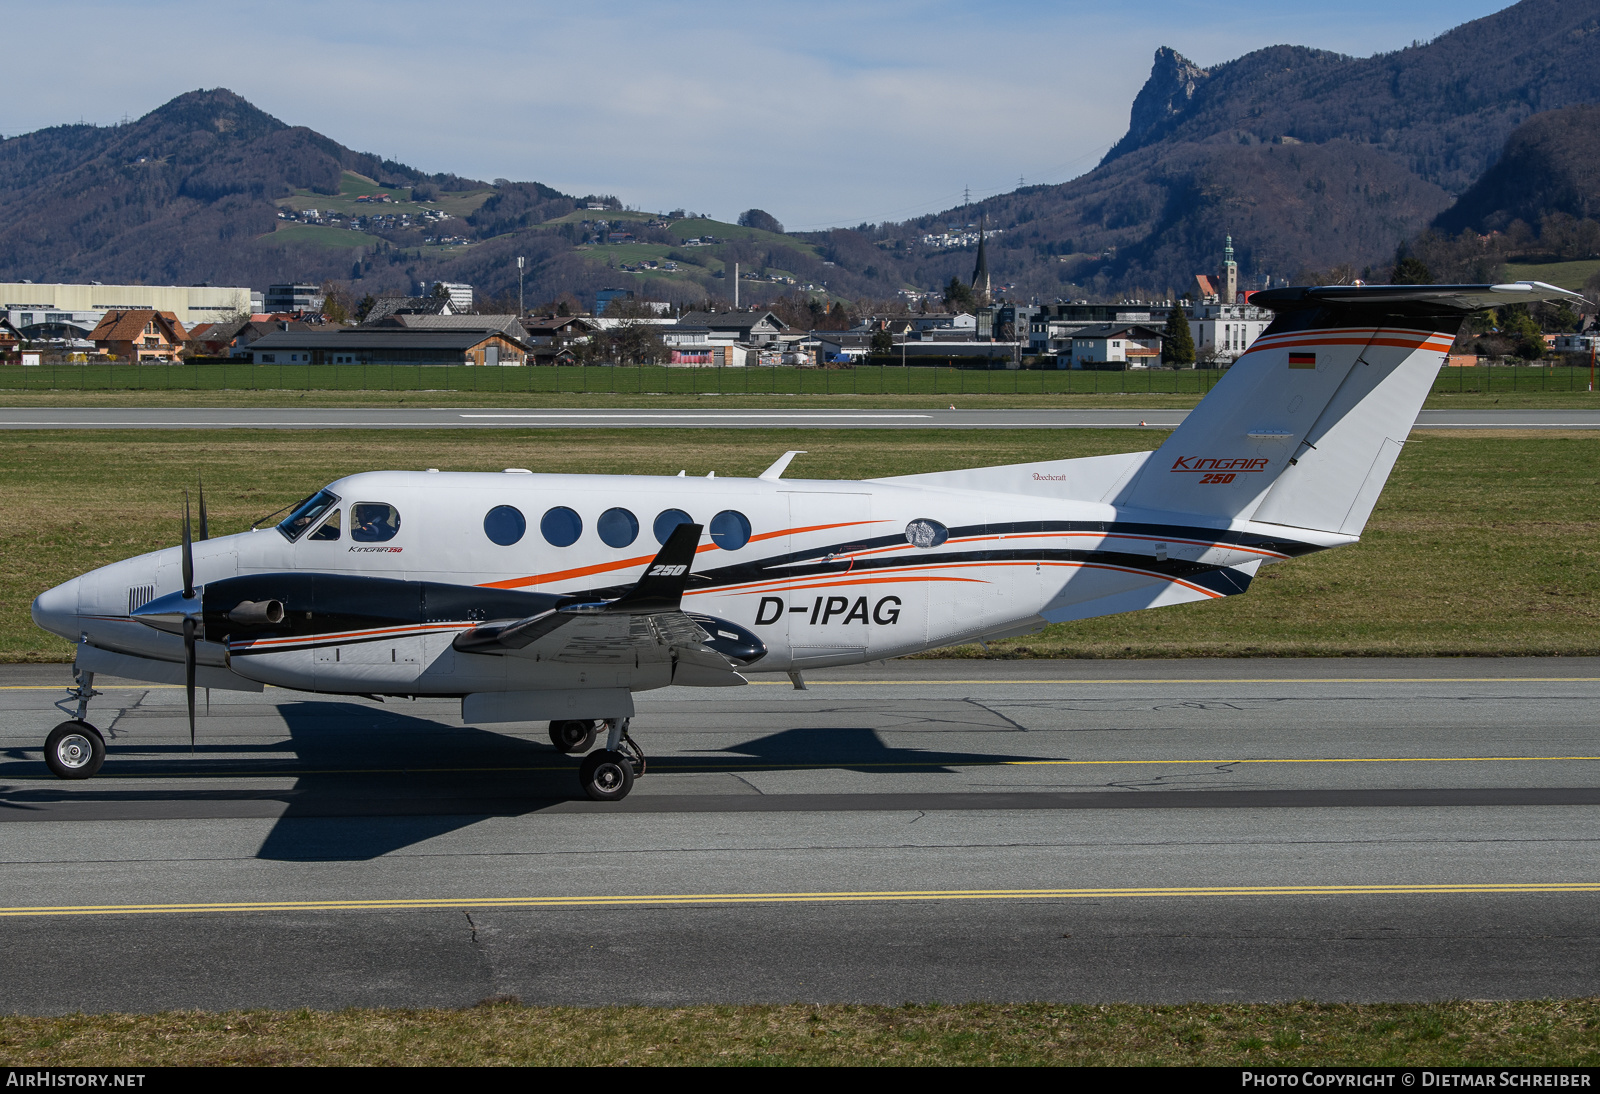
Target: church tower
pixel 980 272
pixel 1230 275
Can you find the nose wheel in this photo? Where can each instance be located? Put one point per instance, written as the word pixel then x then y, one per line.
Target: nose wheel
pixel 74 750
pixel 608 775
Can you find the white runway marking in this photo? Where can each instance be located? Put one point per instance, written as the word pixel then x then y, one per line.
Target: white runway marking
pixel 718 416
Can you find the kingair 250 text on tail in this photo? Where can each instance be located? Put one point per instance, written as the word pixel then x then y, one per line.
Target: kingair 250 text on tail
pixel 556 597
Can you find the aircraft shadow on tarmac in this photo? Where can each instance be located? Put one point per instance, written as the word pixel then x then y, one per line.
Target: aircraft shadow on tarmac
pixel 376 780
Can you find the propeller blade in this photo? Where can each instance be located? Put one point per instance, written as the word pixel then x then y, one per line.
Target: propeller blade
pixel 188 553
pixel 205 529
pixel 188 671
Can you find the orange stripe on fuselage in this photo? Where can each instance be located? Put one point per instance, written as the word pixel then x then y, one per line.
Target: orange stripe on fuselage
pixel 640 560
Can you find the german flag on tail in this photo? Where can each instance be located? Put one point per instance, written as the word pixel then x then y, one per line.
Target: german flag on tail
pixel 1302 360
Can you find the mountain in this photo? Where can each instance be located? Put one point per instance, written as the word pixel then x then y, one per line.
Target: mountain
pixel 1310 159
pixel 1550 165
pixel 192 192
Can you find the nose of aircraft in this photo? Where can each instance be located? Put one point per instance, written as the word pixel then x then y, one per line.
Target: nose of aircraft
pixel 56 610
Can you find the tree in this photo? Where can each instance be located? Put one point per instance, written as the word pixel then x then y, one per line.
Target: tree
pixel 336 302
pixel 958 296
pixel 882 343
pixel 1518 325
pixel 364 308
pixel 1410 270
pixel 760 219
pixel 1177 343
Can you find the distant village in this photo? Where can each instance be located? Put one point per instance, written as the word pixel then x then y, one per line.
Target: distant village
pixel 969 325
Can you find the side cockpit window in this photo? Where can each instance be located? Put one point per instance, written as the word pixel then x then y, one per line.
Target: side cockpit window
pixel 373 522
pixel 329 529
pixel 307 513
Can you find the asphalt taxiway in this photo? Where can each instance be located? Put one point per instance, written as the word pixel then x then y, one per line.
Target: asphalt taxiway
pixel 797 418
pixel 921 830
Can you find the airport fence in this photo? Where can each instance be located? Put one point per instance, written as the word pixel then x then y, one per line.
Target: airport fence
pixel 660 380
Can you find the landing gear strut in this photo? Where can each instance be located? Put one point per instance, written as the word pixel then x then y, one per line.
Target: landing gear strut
pixel 608 775
pixel 75 749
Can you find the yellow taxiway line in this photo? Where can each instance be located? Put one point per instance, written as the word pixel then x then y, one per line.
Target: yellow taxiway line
pixel 671 899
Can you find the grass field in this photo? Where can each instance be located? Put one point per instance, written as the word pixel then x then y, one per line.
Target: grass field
pixel 1482 544
pixel 1548 1033
pixel 1567 275
pixel 1559 386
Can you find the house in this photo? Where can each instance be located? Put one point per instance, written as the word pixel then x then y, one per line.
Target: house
pixel 1222 332
pixel 10 340
pixel 752 328
pixel 219 339
pixel 389 346
pixel 1113 345
pixel 504 324
pixel 558 330
pixel 139 334
pixel 715 355
pixel 386 306
pixel 459 293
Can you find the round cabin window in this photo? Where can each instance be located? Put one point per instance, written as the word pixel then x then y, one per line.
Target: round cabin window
pixel 617 527
pixel 561 527
pixel 504 525
pixel 667 520
pixel 730 530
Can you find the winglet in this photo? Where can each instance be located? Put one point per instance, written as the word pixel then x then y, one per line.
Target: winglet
pixel 775 472
pixel 661 587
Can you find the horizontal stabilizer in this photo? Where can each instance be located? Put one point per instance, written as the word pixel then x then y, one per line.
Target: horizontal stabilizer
pixel 1462 298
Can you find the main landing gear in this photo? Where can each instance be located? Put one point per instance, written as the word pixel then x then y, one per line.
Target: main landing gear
pixel 75 749
pixel 607 775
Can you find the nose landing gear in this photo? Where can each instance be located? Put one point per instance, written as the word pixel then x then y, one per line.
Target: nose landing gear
pixel 608 775
pixel 75 749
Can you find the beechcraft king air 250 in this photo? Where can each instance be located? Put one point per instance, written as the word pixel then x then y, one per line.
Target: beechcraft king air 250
pixel 557 597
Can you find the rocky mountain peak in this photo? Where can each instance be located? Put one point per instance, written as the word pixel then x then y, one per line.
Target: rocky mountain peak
pixel 1166 95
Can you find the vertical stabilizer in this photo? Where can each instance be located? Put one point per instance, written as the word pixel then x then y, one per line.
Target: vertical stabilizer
pixel 1304 429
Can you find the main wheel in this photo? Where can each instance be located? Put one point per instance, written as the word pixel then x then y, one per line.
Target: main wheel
pixel 606 776
pixel 74 750
pixel 572 737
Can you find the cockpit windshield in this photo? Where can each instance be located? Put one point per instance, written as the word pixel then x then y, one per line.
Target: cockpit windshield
pixel 306 513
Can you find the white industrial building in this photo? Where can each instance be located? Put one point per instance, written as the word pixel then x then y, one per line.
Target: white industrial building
pixel 27 304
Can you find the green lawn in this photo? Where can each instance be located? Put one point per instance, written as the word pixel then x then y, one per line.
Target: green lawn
pixel 1482 544
pixel 1476 387
pixel 352 186
pixel 1549 1033
pixel 317 235
pixel 1567 275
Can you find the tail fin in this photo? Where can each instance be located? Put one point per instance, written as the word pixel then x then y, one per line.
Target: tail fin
pixel 1305 427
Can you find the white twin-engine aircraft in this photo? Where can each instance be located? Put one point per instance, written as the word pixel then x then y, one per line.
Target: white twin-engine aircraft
pixel 556 597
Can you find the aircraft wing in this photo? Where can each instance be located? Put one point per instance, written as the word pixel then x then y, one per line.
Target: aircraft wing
pixel 647 615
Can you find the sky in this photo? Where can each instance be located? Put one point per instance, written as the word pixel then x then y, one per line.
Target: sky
pixel 822 113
